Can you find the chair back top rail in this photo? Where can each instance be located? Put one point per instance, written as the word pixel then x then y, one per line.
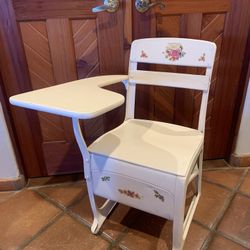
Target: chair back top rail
pixel 173 51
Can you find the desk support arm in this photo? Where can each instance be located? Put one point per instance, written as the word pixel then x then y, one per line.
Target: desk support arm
pixel 100 214
pixel 82 146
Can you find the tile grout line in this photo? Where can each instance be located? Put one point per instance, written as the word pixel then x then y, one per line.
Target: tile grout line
pixel 68 183
pixel 43 229
pixel 58 204
pixel 227 163
pixel 235 240
pixel 234 192
pixel 224 168
pixel 221 215
pixel 88 225
pixel 78 218
pixel 120 236
pixel 244 194
pixel 67 211
pixel 51 222
pixel 218 184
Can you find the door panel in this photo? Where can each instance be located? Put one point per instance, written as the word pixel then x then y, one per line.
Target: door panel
pixel 53 57
pixel 86 49
pixel 64 41
pixel 211 20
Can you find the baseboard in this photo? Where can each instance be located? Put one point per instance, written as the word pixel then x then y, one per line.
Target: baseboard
pixel 240 160
pixel 12 184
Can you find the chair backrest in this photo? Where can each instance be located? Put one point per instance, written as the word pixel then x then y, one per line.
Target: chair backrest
pixel 171 51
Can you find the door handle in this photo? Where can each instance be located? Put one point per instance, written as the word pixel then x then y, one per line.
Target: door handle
pixel 144 5
pixel 108 5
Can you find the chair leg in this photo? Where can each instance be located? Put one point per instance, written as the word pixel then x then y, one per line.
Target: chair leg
pixel 178 230
pixel 100 214
pixel 181 226
pixel 177 234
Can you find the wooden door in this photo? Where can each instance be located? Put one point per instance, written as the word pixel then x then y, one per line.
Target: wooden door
pixel 48 42
pixel 225 22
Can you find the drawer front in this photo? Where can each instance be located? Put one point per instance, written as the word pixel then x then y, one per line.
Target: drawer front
pixel 133 192
pixel 105 164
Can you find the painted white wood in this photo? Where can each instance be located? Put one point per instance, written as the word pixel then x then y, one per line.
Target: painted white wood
pixel 131 91
pixel 159 151
pixel 134 192
pixel 173 51
pixel 101 164
pixel 81 99
pixel 8 164
pixel 176 80
pixel 151 144
pixel 100 214
pixel 144 164
pixel 242 147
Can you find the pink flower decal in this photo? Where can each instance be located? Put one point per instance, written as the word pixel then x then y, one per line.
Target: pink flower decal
pixel 129 193
pixel 174 51
pixel 202 58
pixel 143 54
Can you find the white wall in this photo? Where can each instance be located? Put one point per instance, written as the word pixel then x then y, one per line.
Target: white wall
pixel 8 163
pixel 243 140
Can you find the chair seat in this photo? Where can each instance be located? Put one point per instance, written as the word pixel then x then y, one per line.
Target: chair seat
pixel 155 145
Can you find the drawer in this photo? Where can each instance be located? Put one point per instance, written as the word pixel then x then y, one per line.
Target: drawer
pixel 102 164
pixel 133 192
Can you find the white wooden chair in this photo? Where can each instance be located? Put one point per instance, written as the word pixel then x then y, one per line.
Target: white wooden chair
pixel 144 164
pixel 147 164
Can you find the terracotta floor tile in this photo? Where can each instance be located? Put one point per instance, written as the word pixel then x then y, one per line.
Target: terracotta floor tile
pixel 65 194
pixel 67 233
pixel 222 243
pixel 214 164
pixel 236 222
pixel 153 232
pixel 120 217
pixel 22 216
pixel 196 237
pixel 245 186
pixel 211 203
pixel 83 209
pixel 149 231
pixel 6 195
pixel 227 178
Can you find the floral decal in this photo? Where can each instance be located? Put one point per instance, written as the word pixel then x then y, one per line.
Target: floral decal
pixel 130 194
pixel 174 51
pixel 158 195
pixel 202 58
pixel 143 54
pixel 105 178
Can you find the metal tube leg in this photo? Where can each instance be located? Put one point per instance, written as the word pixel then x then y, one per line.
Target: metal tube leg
pixel 99 214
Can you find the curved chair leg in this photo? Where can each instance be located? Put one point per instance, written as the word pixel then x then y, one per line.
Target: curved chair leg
pixel 100 214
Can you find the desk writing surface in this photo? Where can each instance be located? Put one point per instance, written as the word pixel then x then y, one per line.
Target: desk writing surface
pixel 81 99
